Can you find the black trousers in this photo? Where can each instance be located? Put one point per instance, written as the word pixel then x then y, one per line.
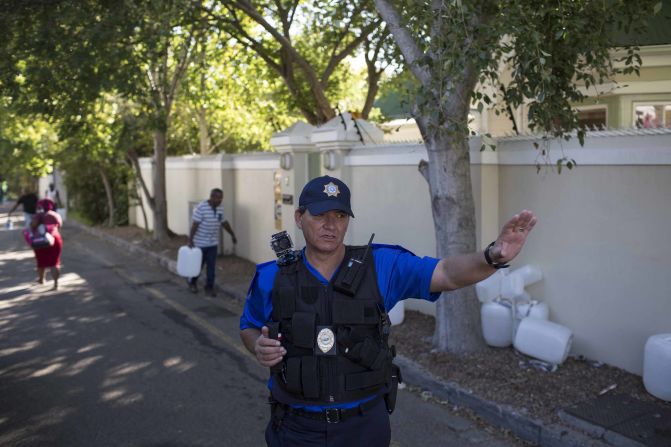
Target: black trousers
pixel 370 429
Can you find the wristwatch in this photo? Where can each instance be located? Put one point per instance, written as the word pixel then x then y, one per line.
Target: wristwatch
pixel 488 258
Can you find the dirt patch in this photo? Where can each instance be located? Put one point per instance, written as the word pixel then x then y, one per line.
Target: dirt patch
pixel 500 375
pixel 503 376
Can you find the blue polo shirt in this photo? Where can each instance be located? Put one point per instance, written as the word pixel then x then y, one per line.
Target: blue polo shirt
pixel 400 275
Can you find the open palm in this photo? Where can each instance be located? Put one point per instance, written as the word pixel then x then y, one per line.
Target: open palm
pixel 513 236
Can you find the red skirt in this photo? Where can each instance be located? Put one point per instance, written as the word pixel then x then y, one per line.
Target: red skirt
pixel 50 256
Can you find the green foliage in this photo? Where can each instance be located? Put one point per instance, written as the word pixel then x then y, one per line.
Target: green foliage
pixel 27 144
pixel 304 44
pixel 242 103
pixel 101 134
pixel 87 194
pixel 551 50
pixel 396 95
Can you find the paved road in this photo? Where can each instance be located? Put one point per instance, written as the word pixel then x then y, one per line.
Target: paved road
pixel 123 355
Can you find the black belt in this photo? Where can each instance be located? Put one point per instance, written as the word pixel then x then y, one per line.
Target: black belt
pixel 335 415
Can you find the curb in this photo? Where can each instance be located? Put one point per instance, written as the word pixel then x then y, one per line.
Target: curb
pixel 503 416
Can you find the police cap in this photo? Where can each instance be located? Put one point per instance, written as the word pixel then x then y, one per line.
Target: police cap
pixel 324 194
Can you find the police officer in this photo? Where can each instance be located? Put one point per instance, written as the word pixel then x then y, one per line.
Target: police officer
pixel 318 319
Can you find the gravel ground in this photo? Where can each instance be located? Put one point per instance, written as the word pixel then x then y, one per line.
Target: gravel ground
pixel 500 375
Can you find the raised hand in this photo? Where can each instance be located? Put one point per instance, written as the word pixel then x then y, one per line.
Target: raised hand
pixel 513 236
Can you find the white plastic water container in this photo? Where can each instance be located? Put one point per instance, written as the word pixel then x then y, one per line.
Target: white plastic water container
pixel 512 286
pixel 189 261
pixel 544 340
pixel 529 274
pixel 657 366
pixel 397 313
pixel 490 288
pixel 497 324
pixel 533 309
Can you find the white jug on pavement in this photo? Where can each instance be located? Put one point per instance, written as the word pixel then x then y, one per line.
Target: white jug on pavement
pixel 497 324
pixel 189 261
pixel 534 309
pixel 397 313
pixel 657 366
pixel 544 340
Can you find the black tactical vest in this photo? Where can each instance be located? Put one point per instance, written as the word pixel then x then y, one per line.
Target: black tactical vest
pixel 358 365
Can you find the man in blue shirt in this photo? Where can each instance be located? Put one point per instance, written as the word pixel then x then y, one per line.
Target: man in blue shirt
pixel 320 323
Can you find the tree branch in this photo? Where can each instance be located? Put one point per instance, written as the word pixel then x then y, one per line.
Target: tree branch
pixel 374 73
pixel 284 17
pixel 293 8
pixel 349 49
pixel 406 43
pixel 322 103
pixel 253 44
pixel 180 69
pixel 132 156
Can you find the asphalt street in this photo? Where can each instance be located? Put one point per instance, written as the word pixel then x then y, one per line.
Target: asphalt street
pixel 123 355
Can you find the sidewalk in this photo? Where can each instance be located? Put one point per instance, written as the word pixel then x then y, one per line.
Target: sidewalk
pixel 233 277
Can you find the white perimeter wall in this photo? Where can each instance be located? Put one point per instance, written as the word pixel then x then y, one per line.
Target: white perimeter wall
pixel 602 240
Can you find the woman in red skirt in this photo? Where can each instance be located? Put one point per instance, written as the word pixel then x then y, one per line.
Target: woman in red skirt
pixel 48 257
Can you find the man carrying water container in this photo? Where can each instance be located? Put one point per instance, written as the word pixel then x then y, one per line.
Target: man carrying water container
pixel 206 219
pixel 317 318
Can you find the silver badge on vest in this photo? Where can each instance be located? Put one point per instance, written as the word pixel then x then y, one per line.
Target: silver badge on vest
pixel 326 344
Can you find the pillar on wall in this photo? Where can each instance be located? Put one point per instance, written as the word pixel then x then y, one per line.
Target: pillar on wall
pixel 485 182
pixel 297 163
pixel 307 152
pixel 335 139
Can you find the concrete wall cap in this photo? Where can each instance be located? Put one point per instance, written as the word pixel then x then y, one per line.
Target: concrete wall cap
pixel 295 138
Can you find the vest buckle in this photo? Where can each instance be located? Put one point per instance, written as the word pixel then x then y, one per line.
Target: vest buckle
pixel 332 415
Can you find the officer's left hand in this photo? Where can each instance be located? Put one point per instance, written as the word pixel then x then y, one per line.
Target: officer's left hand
pixel 513 236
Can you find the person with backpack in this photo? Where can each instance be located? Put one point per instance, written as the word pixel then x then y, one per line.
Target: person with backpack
pixel 48 254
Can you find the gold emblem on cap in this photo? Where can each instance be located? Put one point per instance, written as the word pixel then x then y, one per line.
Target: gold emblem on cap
pixel 331 189
pixel 325 340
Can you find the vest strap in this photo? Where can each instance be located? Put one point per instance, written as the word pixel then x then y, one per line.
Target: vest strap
pixel 309 377
pixel 303 329
pixel 287 301
pixel 370 352
pixel 310 295
pixel 365 379
pixel 348 311
pixel 292 375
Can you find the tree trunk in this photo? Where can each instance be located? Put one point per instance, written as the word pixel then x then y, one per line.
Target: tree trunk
pixel 458 327
pixel 373 87
pixel 203 132
pixel 138 195
pixel 144 216
pixel 132 156
pixel 111 207
pixel 160 208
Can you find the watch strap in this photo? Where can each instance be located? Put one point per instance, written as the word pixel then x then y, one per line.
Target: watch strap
pixel 490 261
